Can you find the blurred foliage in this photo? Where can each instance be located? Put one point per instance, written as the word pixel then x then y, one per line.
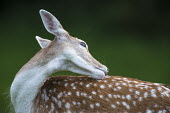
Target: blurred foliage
pixel 130 37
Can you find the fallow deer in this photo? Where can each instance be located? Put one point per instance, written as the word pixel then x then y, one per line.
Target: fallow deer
pixel 33 91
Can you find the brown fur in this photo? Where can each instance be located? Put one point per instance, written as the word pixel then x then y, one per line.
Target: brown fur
pixel 53 86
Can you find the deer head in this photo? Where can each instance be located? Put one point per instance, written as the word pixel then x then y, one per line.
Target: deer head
pixel 66 52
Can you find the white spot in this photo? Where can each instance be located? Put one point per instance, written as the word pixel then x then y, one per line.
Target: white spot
pixel 50 91
pixel 97 104
pixel 63 100
pixel 54 90
pixel 137 85
pixel 91 106
pixel 149 111
pixel 146 86
pixel 141 87
pixel 153 91
pixel 95 84
pixel 136 96
pixel 166 93
pixel 126 105
pixel 46 106
pixel 137 92
pixel 162 111
pixel 130 85
pixel 145 94
pixel 130 90
pixel 153 95
pixel 105 80
pixel 107 99
pixel 113 80
pixel 93 92
pixel 59 104
pixel 160 88
pixel 65 80
pixel 110 95
pixel 85 94
pixel 118 96
pixel 78 103
pixel 102 86
pixel 76 82
pixel 88 85
pixel 66 84
pixel 117 102
pixel 84 102
pixel 156 84
pixel 119 87
pixel 74 87
pixel 90 97
pixel 45 95
pixel 114 89
pixel 109 85
pixel 67 105
pixel 42 95
pixel 125 79
pixel 156 105
pixel 52 107
pixel 54 99
pixel 118 78
pixel 124 84
pixel 123 97
pixel 101 96
pixel 81 83
pixel 140 99
pixel 135 82
pixel 60 95
pixel 113 106
pixel 128 97
pixel 117 84
pixel 69 93
pixel 74 103
pixel 115 96
pixel 77 93
pixel 99 91
pixel 68 111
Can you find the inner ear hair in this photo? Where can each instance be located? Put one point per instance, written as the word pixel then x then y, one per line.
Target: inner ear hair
pixel 43 42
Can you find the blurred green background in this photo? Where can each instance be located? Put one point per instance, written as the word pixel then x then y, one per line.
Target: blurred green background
pixel 132 38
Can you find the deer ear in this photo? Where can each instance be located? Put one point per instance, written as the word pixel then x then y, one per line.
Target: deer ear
pixel 43 42
pixel 51 24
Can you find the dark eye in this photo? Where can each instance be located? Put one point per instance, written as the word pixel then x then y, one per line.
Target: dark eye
pixel 83 44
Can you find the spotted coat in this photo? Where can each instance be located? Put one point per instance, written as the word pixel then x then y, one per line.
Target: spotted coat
pixel 114 94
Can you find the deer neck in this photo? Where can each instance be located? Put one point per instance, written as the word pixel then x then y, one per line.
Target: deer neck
pixel 28 81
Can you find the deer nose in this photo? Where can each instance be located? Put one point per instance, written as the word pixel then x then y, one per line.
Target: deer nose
pixel 104 69
pixel 106 72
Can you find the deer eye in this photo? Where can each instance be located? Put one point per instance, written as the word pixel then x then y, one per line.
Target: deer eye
pixel 83 44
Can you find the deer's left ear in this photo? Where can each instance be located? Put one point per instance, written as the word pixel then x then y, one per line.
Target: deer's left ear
pixel 43 42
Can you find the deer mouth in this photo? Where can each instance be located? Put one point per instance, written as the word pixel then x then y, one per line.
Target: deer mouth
pixel 105 70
